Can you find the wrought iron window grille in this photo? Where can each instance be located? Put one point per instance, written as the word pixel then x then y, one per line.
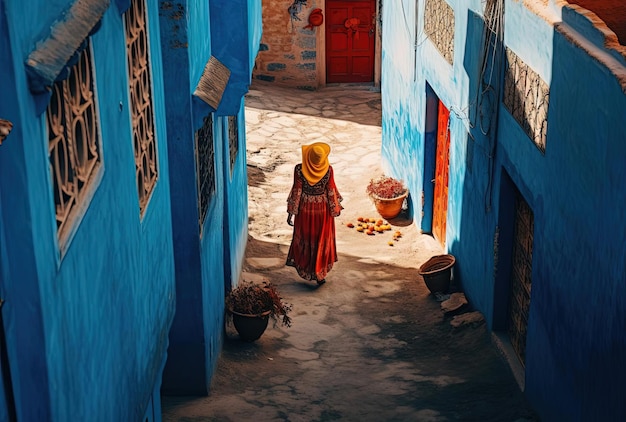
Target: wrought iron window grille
pixel 521 277
pixel 205 168
pixel 141 105
pixel 73 142
pixel 439 27
pixel 233 140
pixel 526 97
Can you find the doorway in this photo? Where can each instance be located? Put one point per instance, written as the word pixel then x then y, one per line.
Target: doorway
pixel 513 284
pixel 442 161
pixel 521 277
pixel 350 41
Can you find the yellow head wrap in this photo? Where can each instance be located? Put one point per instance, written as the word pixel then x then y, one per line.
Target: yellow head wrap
pixel 315 161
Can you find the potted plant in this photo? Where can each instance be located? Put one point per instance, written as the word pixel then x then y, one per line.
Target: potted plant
pixel 388 195
pixel 252 305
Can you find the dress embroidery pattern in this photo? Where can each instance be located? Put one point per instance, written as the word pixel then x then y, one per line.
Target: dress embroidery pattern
pixel 313 249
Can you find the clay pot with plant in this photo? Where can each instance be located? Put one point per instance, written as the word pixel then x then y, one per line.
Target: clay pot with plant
pixel 252 305
pixel 388 195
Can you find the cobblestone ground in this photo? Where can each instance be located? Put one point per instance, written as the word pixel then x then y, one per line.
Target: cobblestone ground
pixel 372 344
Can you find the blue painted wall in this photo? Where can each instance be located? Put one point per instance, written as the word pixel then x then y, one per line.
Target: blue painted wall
pixel 236 31
pixel 22 308
pixel 184 56
pixel 236 209
pixel 206 264
pixel 580 257
pixel 235 35
pixel 576 337
pixel 80 303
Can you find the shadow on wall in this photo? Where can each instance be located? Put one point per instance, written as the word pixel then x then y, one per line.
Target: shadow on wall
pixel 579 294
pixel 473 246
pixel 574 334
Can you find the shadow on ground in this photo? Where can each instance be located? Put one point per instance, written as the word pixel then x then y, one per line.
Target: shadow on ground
pixel 370 344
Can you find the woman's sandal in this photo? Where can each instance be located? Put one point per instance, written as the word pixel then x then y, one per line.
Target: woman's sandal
pixel 320 282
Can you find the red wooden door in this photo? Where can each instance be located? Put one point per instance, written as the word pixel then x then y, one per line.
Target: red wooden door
pixel 350 40
pixel 440 201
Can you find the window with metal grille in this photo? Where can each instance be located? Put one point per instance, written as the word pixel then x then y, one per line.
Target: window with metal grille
pixel 73 141
pixel 205 167
pixel 233 140
pixel 527 96
pixel 439 26
pixel 141 107
pixel 521 276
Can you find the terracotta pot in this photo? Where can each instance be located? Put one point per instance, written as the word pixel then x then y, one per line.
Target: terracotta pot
pixel 316 18
pixel 437 272
pixel 250 327
pixel 389 208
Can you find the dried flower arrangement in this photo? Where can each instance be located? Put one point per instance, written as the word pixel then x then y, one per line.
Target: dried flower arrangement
pixel 250 298
pixel 385 187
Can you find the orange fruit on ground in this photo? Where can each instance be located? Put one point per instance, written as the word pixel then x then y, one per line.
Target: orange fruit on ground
pixel 350 225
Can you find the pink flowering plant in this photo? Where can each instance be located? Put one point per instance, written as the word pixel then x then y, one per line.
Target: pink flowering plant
pixel 385 187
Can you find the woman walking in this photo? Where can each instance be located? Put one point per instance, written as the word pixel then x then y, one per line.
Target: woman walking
pixel 315 202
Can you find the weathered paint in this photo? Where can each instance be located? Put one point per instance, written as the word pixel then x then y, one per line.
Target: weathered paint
pixel 266 78
pixel 273 67
pixel 287 45
pixel 575 340
pixel 114 281
pixel 306 55
pixel 301 50
pixel 205 265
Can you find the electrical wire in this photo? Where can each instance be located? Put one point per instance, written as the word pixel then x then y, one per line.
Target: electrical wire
pixel 487 97
pixel 493 40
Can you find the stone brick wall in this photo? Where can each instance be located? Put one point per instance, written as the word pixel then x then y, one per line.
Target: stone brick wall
pixel 288 52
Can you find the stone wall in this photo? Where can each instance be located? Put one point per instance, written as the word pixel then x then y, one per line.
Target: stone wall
pixel 288 51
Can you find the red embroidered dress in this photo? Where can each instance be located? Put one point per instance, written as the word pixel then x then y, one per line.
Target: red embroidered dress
pixel 313 250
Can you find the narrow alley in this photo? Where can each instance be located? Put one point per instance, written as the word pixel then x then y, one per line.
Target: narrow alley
pixel 372 344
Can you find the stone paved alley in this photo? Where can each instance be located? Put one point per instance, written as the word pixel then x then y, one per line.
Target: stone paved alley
pixel 372 344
